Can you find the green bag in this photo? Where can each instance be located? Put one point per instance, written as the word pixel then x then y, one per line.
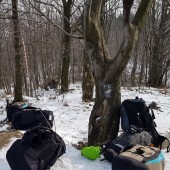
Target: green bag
pixel 91 152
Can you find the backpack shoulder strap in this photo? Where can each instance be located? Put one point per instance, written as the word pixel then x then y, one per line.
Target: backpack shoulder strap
pixel 165 143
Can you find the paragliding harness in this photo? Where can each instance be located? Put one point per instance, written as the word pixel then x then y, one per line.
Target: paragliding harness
pixel 128 139
pixel 134 112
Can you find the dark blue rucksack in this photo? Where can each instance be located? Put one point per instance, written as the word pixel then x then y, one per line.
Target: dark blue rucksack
pixel 131 137
pixel 135 112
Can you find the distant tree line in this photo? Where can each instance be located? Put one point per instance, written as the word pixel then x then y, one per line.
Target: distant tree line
pixel 50 57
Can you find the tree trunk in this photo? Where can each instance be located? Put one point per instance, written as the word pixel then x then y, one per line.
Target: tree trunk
pixel 158 59
pixel 104 119
pixel 141 75
pixel 66 46
pixel 88 80
pixel 1 83
pixel 18 54
pixel 133 72
pixel 155 71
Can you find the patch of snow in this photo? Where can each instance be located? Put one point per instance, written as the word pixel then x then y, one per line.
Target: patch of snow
pixel 71 123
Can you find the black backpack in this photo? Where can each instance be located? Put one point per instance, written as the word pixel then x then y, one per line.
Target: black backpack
pixel 129 138
pixel 136 112
pixel 38 149
pixel 30 117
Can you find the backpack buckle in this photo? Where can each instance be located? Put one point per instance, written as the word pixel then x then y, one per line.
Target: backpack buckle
pixel 140 150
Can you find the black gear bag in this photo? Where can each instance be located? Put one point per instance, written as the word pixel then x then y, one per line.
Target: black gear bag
pixel 38 149
pixel 30 117
pixel 128 139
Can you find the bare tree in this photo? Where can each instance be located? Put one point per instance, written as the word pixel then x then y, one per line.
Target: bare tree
pixel 107 70
pixel 67 7
pixel 158 58
pixel 106 22
pixel 18 54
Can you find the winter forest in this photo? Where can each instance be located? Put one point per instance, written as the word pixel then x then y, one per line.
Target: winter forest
pixel 101 45
pixel 43 42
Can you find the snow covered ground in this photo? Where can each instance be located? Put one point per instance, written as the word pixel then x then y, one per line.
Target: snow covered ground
pixel 71 122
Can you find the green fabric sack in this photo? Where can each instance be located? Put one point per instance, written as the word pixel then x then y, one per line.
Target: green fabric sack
pixel 91 152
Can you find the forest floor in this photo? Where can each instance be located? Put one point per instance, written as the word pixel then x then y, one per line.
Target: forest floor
pixel 71 123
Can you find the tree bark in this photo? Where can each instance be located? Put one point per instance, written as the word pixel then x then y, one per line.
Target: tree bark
pixel 66 46
pixel 133 72
pixel 104 118
pixel 88 80
pixel 1 83
pixel 18 54
pixel 158 59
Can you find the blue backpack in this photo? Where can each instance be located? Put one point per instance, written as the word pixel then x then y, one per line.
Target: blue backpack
pixel 134 112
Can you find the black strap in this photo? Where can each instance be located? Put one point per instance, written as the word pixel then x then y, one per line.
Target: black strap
pixel 45 118
pixel 30 107
pixel 40 127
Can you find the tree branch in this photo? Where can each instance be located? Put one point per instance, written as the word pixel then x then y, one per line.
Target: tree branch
pixel 131 33
pixel 142 11
pixel 72 25
pixel 92 18
pixel 73 36
pixel 5 17
pixel 64 1
pixel 77 7
pixel 127 5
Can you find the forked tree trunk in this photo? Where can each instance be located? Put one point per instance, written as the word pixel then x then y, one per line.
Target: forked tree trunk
pixel 104 118
pixel 88 79
pixel 18 53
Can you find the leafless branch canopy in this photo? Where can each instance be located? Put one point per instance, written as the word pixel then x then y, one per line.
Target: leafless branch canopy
pixel 61 29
